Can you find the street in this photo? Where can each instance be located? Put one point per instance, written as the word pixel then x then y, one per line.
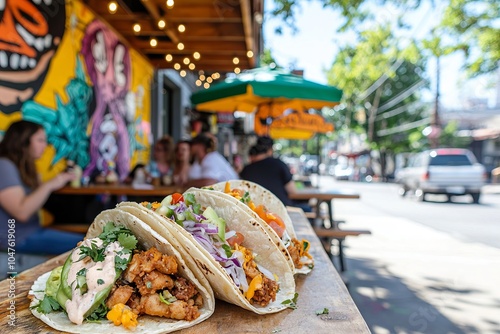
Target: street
pixel 460 218
pixel 428 267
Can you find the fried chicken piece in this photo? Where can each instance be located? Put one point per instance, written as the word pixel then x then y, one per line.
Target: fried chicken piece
pixel 183 289
pixel 119 295
pixel 145 262
pixel 180 310
pixel 293 250
pixel 152 282
pixel 267 293
pixel 167 265
pixel 135 303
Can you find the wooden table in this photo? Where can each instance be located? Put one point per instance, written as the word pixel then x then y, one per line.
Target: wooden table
pixel 326 196
pixel 322 288
pixel 120 190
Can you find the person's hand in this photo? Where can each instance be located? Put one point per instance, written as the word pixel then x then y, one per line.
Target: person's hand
pixel 60 180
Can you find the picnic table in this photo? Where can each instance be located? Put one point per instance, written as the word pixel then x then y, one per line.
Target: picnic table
pixel 320 290
pixel 331 231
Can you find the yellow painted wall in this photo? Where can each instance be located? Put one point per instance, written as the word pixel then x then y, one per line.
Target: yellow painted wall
pixel 62 70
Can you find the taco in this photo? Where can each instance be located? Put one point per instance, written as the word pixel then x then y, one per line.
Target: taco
pixel 241 261
pixel 122 277
pixel 274 217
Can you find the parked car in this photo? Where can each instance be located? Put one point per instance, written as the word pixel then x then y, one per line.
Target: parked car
pixel 343 172
pixel 449 171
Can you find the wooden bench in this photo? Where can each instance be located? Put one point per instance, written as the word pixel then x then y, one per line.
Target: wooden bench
pixel 326 236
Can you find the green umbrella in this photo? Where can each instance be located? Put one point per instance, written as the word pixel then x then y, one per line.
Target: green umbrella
pixel 253 88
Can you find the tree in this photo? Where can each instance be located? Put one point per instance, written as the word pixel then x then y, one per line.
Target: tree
pixel 475 27
pixel 381 82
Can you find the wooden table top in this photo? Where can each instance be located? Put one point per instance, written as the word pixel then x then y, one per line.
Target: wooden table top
pixel 120 189
pixel 322 194
pixel 322 288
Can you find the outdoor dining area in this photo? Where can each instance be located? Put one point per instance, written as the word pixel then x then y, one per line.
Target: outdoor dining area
pixel 114 118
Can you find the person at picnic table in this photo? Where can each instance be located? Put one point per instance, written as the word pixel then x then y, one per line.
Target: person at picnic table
pixel 161 166
pixel 22 194
pixel 271 173
pixel 209 166
pixel 182 162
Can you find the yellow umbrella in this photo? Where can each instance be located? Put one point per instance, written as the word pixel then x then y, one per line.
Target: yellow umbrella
pixel 289 123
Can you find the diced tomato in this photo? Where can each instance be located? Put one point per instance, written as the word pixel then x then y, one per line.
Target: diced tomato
pixel 238 238
pixel 177 197
pixel 280 230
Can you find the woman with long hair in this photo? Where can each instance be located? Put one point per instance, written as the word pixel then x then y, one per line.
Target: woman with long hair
pixel 22 194
pixel 182 162
pixel 161 164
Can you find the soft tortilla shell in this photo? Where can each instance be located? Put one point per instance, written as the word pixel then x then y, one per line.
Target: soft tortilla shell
pixel 261 195
pixel 270 255
pixel 148 238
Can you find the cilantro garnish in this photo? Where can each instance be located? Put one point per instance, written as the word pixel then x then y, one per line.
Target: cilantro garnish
pixel 127 241
pixel 246 197
pixel 227 249
pixel 291 303
pixel 100 281
pixel 48 305
pixel 323 311
pixel 95 253
pixel 98 314
pixel 189 199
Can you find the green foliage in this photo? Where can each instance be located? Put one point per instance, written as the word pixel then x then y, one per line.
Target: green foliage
pixel 475 26
pixel 449 138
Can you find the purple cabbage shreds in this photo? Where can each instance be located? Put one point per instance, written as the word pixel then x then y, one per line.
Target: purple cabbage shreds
pixel 199 217
pixel 180 207
pixel 188 224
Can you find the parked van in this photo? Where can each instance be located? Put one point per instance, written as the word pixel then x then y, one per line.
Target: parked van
pixel 449 171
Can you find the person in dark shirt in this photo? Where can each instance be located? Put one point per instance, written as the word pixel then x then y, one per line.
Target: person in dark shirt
pixel 270 172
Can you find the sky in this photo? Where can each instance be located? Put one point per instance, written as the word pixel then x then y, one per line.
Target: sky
pixel 314 47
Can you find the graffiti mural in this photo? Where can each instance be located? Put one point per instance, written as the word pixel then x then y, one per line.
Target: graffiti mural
pixel 108 65
pixel 66 126
pixel 30 33
pixel 64 68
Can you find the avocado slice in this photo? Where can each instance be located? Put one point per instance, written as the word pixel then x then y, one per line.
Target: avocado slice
pixel 213 218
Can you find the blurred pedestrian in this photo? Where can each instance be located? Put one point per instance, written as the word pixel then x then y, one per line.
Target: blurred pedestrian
pixel 182 162
pixel 22 194
pixel 270 172
pixel 209 166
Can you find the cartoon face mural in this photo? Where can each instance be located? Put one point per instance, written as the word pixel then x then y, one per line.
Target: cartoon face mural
pixel 108 65
pixel 30 33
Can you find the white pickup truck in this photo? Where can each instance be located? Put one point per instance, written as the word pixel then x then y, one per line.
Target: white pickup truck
pixel 449 171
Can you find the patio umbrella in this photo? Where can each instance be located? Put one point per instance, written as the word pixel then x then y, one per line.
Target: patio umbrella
pixel 253 88
pixel 289 123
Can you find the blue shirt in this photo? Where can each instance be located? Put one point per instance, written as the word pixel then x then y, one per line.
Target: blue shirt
pixel 10 177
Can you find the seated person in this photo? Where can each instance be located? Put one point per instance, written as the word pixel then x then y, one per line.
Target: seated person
pixel 209 166
pixel 22 195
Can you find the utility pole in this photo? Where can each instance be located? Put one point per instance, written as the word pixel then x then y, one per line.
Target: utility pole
pixel 435 122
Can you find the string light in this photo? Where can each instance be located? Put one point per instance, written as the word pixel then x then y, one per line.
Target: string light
pixel 137 27
pixel 162 24
pixel 153 42
pixel 236 60
pixel 196 55
pixel 209 80
pixel 202 77
pixel 206 85
pixel 112 7
pixel 169 57
pixel 170 3
pixel 177 66
pixel 181 28
pixel 182 73
pixel 198 83
pixel 237 70
pixel 192 66
pixel 186 61
pixel 180 46
pixel 249 54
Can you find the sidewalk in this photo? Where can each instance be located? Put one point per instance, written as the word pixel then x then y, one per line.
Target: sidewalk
pixel 409 278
